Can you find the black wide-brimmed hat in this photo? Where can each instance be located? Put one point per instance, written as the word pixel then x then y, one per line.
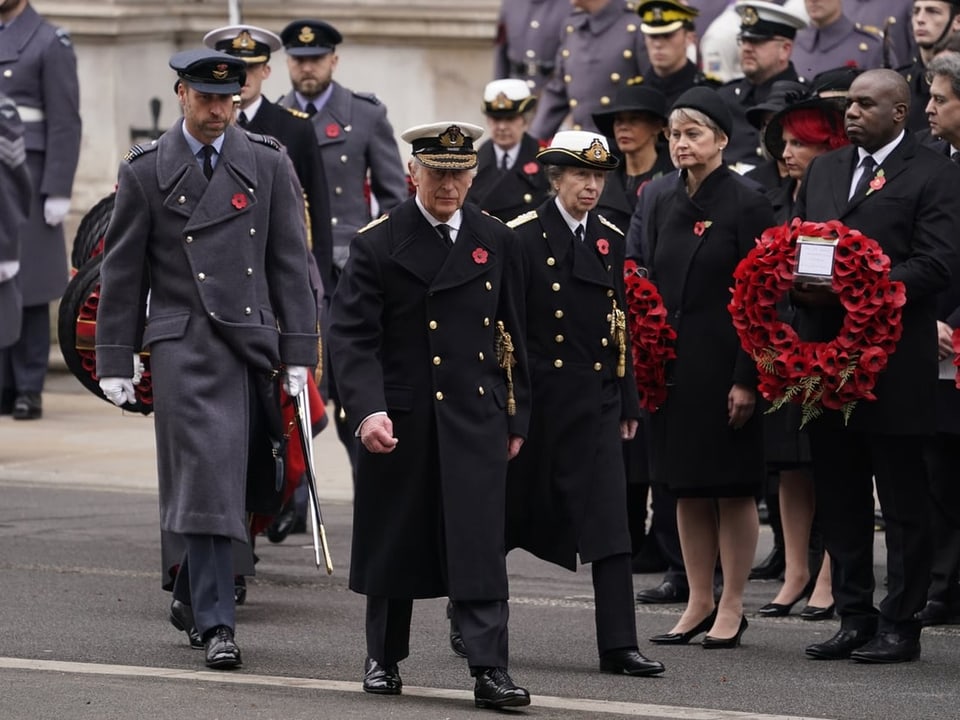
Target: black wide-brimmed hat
pixel 578 148
pixel 773 133
pixel 782 93
pixel 631 98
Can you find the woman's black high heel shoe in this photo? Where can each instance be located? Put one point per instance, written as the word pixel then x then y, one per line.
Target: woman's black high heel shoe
pixel 714 643
pixel 779 610
pixel 683 638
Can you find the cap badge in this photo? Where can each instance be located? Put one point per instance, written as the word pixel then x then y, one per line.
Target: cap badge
pixel 243 41
pixel 306 35
pixel 452 137
pixel 502 102
pixel 749 16
pixel 220 71
pixel 596 152
pixel 657 14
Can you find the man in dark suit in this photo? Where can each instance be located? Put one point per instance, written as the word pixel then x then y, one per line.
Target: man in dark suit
pixel 420 339
pixel 209 223
pixel 902 195
pixel 38 71
pixel 509 179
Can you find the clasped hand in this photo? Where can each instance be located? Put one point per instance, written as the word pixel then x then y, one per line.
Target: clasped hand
pixel 119 390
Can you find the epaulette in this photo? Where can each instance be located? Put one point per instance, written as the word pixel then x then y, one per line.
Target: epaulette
pixel 138 150
pixel 870 30
pixel 369 97
pixel 296 113
pixel 492 216
pixel 708 80
pixel 521 219
pixel 373 223
pixel 267 140
pixel 64 37
pixel 604 221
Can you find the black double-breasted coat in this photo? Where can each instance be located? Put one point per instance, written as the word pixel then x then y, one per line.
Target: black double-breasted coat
pixel 413 333
pixel 225 264
pixel 567 490
pixel 694 449
pixel 507 194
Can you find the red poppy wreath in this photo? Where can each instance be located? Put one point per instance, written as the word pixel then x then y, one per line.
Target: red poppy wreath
pixel 832 375
pixel 651 337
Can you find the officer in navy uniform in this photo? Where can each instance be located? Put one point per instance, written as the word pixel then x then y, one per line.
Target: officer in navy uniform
pixel 38 71
pixel 601 47
pixel 209 224
pixel 426 338
pixel 766 42
pixel 932 22
pixel 355 139
pixel 290 126
pixel 668 30
pixel 509 179
pixel 14 208
pixel 528 36
pixel 833 40
pixel 892 19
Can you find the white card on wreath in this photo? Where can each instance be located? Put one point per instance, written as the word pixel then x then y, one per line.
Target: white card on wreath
pixel 815 258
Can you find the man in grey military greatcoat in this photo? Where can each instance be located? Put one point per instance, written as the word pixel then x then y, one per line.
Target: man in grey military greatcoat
pixel 14 206
pixel 209 220
pixel 38 71
pixel 528 35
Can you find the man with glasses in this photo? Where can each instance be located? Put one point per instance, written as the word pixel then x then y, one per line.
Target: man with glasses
pixel 765 44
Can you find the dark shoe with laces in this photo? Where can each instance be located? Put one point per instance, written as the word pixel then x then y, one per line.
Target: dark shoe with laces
pixel 181 617
pixel 381 679
pixel 888 647
pixel 495 689
pixel 841 645
pixel 239 589
pixel 456 639
pixel 629 661
pixel 665 592
pixel 221 650
pixel 28 406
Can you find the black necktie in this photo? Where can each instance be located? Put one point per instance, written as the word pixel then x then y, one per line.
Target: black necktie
pixel 311 109
pixel 504 162
pixel 242 120
pixel 579 233
pixel 869 165
pixel 444 231
pixel 208 152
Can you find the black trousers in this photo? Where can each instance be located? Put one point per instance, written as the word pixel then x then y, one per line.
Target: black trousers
pixel 613 597
pixel 482 624
pixel 23 365
pixel 846 463
pixel 205 581
pixel 942 454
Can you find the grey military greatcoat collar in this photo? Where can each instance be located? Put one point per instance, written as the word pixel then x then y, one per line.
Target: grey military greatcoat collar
pixel 16 35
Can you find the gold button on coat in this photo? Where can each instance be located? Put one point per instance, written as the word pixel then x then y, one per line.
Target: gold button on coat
pixel 439 395
pixel 555 287
pixel 558 363
pixel 436 360
pixel 201 277
pixel 432 324
pixel 598 367
pixel 559 338
pixel 558 314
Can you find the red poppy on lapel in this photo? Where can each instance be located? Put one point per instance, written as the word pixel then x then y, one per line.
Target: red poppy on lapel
pixel 531 168
pixel 239 201
pixel 333 130
pixel 878 182
pixel 480 256
pixel 603 247
pixel 700 227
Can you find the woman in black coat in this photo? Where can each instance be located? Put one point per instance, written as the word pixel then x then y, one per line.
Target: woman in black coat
pixel 707 440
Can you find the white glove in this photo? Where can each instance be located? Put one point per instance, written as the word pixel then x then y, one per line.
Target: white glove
pixel 294 380
pixel 55 209
pixel 118 390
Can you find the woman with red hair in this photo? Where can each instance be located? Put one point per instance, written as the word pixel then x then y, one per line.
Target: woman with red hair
pixel 798 133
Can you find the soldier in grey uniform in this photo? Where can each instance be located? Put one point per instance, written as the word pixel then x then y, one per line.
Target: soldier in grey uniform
pixel 355 139
pixel 890 17
pixel 209 220
pixel 766 43
pixel 14 207
pixel 38 71
pixel 528 36
pixel 932 22
pixel 834 40
pixel 601 47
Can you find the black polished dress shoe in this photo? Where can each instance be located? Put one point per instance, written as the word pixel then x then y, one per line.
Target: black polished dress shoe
pixel 381 679
pixel 181 617
pixel 814 613
pixel 771 567
pixel 456 639
pixel 935 612
pixel 239 589
pixel 665 592
pixel 629 661
pixel 683 638
pixel 221 650
pixel 717 643
pixel 840 645
pixel 888 647
pixel 283 523
pixel 28 406
pixel 495 689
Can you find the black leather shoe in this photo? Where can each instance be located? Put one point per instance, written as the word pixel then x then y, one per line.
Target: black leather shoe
pixel 28 406
pixel 665 592
pixel 239 589
pixel 629 661
pixel 772 566
pixel 934 612
pixel 181 617
pixel 381 680
pixel 683 638
pixel 840 645
pixel 283 523
pixel 221 651
pixel 456 640
pixel 888 647
pixel 495 689
pixel 814 613
pixel 711 642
